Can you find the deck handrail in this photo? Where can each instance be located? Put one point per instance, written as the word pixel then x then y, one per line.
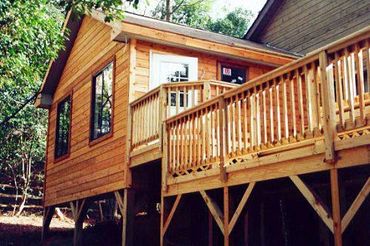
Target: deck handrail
pixel 301 100
pixel 148 112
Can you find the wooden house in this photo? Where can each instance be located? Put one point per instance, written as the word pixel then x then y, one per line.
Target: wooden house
pixel 193 124
pixel 302 26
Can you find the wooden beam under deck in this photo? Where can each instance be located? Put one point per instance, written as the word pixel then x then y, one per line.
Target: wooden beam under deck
pixel 310 164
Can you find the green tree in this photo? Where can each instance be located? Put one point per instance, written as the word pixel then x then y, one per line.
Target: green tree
pixel 196 13
pixel 30 36
pixel 235 23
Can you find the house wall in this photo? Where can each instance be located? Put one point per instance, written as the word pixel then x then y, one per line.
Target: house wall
pixel 305 25
pixel 89 169
pixel 207 64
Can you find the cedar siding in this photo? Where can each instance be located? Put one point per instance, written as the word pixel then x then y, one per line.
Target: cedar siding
pixel 90 168
pixel 207 64
pixel 304 25
pixel 97 167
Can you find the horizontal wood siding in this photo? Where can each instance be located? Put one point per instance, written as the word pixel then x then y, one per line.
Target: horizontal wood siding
pixel 89 169
pixel 305 25
pixel 207 64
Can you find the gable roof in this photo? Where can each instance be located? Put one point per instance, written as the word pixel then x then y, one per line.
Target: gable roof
pixel 262 19
pixel 158 31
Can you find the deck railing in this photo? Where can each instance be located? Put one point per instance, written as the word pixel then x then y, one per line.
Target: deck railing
pixel 313 97
pixel 148 112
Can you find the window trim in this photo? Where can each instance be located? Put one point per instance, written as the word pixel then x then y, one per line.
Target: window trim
pixel 157 57
pixel 93 76
pixel 66 155
pixel 232 64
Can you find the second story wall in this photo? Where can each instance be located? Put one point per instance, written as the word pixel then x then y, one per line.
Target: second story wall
pixel 90 168
pixel 305 25
pixel 208 64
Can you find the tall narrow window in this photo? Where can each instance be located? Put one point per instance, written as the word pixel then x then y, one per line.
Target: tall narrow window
pixel 102 103
pixel 63 127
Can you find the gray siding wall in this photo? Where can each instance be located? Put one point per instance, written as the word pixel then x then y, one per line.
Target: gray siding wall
pixel 305 25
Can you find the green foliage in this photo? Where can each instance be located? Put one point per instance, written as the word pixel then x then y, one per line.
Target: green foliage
pixel 196 13
pixel 30 36
pixel 233 24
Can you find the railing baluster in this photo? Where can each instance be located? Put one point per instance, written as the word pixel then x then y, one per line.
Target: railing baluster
pixel 271 109
pixel 292 106
pixel 285 108
pixel 245 120
pixel 264 115
pixel 351 81
pixel 277 97
pixel 338 83
pixel 360 82
pixel 367 52
pixel 258 118
pixel 300 103
pixel 238 123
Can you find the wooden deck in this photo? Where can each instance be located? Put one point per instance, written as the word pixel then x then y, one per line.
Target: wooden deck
pixel 148 113
pixel 302 118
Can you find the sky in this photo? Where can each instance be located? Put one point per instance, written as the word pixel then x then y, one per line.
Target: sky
pixel 218 8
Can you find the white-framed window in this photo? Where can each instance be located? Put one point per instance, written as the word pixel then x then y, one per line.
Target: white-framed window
pixel 166 68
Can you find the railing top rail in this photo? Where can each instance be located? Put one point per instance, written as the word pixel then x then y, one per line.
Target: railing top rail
pixel 287 68
pixel 181 84
pixel 146 95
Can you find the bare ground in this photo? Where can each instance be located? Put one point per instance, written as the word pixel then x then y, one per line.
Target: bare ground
pixel 26 230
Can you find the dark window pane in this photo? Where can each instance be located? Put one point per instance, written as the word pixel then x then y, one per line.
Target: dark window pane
pixel 63 127
pixel 236 75
pixel 102 102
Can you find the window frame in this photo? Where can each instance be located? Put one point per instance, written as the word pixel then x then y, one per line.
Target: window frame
pixel 99 70
pixel 233 65
pixel 66 155
pixel 155 61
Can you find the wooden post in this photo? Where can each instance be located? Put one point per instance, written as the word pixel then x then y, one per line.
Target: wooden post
pixel 47 216
pixel 328 100
pixel 162 220
pixel 206 91
pixel 226 216
pixel 122 205
pixel 79 210
pixel 163 141
pixel 210 229
pixel 223 137
pixel 337 227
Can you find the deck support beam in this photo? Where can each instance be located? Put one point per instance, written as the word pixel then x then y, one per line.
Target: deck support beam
pixel 122 205
pixel 337 228
pixel 79 210
pixel 165 222
pixel 214 209
pixel 314 201
pixel 241 205
pixel 47 216
pixel 361 197
pixel 226 216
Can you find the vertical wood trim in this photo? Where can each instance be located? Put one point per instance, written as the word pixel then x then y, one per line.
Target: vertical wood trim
pixel 47 217
pixel 226 216
pixel 327 96
pixel 223 137
pixel 337 228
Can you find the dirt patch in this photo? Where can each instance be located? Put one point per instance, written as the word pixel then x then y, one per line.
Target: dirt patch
pixel 26 230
